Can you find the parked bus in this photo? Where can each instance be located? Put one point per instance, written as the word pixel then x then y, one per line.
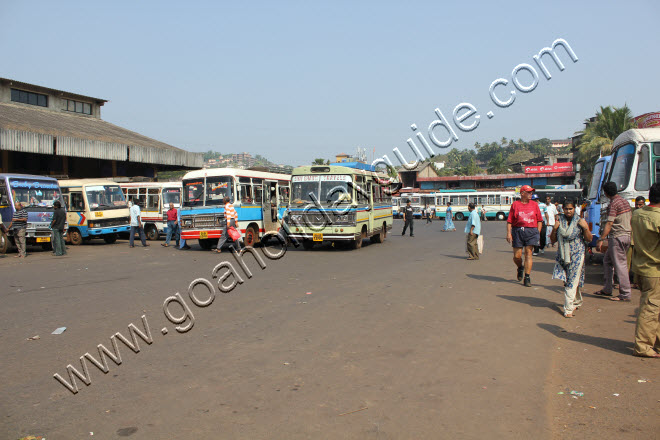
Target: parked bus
pixel 396 200
pixel 497 203
pixel 415 203
pixel 154 199
pixel 259 198
pixel 592 214
pixel 37 194
pixel 96 208
pixel 339 204
pixel 635 163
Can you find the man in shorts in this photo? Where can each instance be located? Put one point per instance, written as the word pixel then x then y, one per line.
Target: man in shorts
pixel 523 230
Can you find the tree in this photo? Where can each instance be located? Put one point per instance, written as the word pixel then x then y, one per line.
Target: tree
pixel 599 135
pixel 318 162
pixel 497 165
pixel 503 141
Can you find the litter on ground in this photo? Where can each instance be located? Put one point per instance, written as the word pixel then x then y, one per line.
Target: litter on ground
pixel 59 331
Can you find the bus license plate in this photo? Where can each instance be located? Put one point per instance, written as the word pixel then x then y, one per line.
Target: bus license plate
pixel 318 236
pixel 203 234
pixel 43 239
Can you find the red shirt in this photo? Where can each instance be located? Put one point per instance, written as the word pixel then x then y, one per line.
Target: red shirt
pixel 525 215
pixel 171 215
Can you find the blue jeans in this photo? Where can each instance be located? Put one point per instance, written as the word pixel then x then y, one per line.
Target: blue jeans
pixel 140 230
pixel 172 229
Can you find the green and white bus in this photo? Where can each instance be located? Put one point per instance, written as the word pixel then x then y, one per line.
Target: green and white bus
pixel 334 203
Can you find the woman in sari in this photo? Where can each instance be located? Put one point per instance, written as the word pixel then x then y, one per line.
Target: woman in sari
pixel 571 232
pixel 449 222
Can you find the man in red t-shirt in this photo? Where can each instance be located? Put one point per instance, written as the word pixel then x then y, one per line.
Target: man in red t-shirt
pixel 523 230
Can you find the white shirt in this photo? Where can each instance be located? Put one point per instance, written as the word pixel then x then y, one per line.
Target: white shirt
pixel 135 213
pixel 552 212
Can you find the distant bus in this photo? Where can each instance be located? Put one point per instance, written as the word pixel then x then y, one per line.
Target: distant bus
pixel 415 203
pixel 592 214
pixel 259 198
pixel 154 199
pixel 338 204
pixel 37 195
pixel 96 208
pixel 396 200
pixel 496 203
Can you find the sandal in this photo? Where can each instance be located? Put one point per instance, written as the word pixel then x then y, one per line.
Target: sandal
pixel 618 298
pixel 568 315
pixel 217 251
pixel 602 293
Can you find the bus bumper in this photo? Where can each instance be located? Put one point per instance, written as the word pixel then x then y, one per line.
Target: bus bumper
pixel 105 231
pixel 197 234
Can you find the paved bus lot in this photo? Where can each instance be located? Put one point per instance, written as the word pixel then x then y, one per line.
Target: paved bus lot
pixel 404 339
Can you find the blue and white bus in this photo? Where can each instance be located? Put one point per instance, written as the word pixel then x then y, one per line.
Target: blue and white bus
pixel 37 194
pixel 259 198
pixel 592 216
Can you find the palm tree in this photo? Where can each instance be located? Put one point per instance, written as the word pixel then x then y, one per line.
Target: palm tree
pixel 503 141
pixel 497 165
pixel 318 162
pixel 599 135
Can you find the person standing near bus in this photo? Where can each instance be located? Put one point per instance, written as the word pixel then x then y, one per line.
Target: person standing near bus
pixel 57 225
pixel 645 225
pixel 550 217
pixel 136 224
pixel 473 230
pixel 172 226
pixel 19 223
pixel 429 213
pixel 542 239
pixel 449 222
pixel 231 218
pixel 408 218
pixel 523 231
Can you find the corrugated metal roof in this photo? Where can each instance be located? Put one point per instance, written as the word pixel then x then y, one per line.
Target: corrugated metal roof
pixel 28 129
pixel 38 88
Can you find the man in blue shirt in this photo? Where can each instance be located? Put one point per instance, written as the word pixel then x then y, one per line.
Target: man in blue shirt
pixel 473 229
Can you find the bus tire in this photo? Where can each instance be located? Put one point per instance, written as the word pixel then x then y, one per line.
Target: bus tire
pixel 251 236
pixel 5 243
pixel 380 237
pixel 500 216
pixel 47 246
pixel 459 216
pixel 357 243
pixel 207 243
pixel 151 231
pixel 308 244
pixel 75 238
pixel 110 238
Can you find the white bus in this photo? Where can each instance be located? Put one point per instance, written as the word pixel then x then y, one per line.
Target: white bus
pixel 415 203
pixel 496 203
pixel 154 199
pixel 259 198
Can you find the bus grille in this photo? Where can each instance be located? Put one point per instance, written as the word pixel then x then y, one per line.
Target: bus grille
pixel 204 221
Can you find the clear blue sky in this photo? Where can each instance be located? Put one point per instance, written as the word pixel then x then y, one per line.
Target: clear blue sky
pixel 298 80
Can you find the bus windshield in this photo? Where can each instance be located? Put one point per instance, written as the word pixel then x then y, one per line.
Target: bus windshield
pixel 171 195
pixel 326 189
pixel 622 169
pixel 102 197
pixel 35 193
pixel 595 180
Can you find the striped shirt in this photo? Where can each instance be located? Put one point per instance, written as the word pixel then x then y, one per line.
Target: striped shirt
pixel 230 213
pixel 619 213
pixel 20 219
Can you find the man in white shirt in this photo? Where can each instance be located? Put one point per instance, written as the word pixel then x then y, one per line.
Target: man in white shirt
pixel 550 216
pixel 136 224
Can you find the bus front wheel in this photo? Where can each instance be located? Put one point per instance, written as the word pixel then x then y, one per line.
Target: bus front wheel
pixel 110 239
pixel 500 216
pixel 357 243
pixel 5 243
pixel 207 243
pixel 250 236
pixel 380 237
pixel 459 216
pixel 75 238
pixel 151 232
pixel 307 244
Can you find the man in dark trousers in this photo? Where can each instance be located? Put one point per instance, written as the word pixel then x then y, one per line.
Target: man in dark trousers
pixel 57 225
pixel 408 218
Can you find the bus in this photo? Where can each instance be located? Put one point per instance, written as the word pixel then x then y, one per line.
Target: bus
pixel 260 199
pixel 96 208
pixel 37 194
pixel 635 163
pixel 396 200
pixel 592 214
pixel 496 203
pixel 154 199
pixel 344 204
pixel 415 203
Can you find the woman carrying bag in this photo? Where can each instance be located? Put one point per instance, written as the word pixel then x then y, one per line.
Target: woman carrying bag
pixel 571 232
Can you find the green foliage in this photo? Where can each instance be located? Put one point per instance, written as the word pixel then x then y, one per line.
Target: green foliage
pixel 318 161
pixel 497 165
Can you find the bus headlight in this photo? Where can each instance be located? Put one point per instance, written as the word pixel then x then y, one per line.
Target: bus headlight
pixel 91 224
pixel 296 218
pixel 187 223
pixel 219 220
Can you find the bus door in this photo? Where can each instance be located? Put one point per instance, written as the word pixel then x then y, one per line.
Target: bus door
pixel 269 205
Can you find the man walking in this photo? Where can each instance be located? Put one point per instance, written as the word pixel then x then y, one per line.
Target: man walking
pixel 136 224
pixel 473 229
pixel 550 216
pixel 617 231
pixel 408 218
pixel 645 225
pixel 19 224
pixel 430 212
pixel 172 226
pixel 523 230
pixel 57 226
pixel 231 218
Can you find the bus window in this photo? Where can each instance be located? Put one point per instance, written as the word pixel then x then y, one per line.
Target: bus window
pixel 77 202
pixel 284 193
pixel 657 170
pixel 4 198
pixel 217 188
pixel 642 181
pixel 622 168
pixel 245 193
pixel 258 197
pixel 65 197
pixel 453 200
pixel 193 192
pixel 153 202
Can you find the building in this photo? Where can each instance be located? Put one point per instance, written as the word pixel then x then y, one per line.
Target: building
pixel 493 181
pixel 54 132
pixel 561 143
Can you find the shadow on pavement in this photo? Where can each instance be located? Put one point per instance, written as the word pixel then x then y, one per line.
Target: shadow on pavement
pixel 615 345
pixel 532 301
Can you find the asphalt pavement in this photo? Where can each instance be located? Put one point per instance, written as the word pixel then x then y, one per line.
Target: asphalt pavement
pixel 404 339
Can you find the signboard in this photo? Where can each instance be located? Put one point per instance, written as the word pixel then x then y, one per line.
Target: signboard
pixel 321 177
pixel 648 120
pixel 560 167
